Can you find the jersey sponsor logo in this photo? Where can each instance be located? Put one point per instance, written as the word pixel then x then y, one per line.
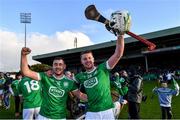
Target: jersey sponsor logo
pixel 56 92
pixel 90 82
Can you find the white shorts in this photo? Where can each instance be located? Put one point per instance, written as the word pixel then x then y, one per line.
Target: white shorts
pixel 107 114
pixel 31 113
pixel 40 117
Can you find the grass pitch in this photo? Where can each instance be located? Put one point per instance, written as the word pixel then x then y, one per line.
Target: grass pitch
pixel 149 109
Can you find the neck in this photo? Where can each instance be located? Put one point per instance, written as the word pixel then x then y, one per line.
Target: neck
pixel 58 76
pixel 91 69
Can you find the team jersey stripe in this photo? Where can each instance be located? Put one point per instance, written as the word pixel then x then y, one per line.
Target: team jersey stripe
pixel 39 77
pixel 107 65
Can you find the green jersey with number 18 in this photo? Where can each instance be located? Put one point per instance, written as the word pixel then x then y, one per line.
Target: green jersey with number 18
pixel 97 87
pixel 55 93
pixel 31 92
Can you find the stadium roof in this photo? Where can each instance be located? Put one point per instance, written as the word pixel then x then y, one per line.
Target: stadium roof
pixel 149 36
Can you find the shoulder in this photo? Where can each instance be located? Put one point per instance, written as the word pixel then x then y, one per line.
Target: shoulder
pixel 103 65
pixel 14 82
pixel 80 75
pixel 42 73
pixel 67 79
pixel 166 90
pixel 25 78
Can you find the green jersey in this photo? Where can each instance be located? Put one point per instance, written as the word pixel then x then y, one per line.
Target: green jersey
pixel 55 92
pixel 14 87
pixel 31 92
pixel 97 88
pixel 117 83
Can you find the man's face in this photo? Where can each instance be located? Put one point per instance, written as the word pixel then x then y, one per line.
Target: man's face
pixel 124 73
pixel 58 67
pixel 68 74
pixel 87 60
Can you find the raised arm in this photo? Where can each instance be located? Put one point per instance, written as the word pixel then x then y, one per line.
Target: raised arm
pixel 24 65
pixel 113 60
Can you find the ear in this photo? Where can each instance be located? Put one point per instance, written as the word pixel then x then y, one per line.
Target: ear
pixel 93 58
pixel 64 66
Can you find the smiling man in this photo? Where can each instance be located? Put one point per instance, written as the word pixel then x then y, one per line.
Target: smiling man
pixel 97 84
pixel 55 88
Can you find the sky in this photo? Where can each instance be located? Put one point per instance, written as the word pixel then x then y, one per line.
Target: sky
pixel 55 24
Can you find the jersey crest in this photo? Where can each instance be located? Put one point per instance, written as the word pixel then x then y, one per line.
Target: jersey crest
pixel 66 84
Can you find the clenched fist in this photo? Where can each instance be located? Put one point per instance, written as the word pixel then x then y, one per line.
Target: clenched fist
pixel 25 51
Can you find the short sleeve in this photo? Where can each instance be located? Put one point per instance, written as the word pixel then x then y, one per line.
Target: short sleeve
pixel 104 66
pixel 41 76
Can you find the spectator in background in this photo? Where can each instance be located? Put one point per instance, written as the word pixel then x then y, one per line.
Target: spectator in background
pixel 165 97
pixel 125 80
pixel 177 75
pixel 119 83
pixel 69 74
pixel 7 90
pixel 2 81
pixel 135 94
pixel 17 96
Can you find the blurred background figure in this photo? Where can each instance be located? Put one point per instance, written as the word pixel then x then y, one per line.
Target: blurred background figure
pixel 17 97
pixel 120 84
pixel 135 94
pixel 68 74
pixel 7 90
pixel 165 98
pixel 2 81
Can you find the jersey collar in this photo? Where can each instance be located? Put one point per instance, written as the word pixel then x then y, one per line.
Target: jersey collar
pixel 91 70
pixel 58 78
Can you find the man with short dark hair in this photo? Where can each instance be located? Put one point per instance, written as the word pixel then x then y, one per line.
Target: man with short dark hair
pixel 96 82
pixel 55 88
